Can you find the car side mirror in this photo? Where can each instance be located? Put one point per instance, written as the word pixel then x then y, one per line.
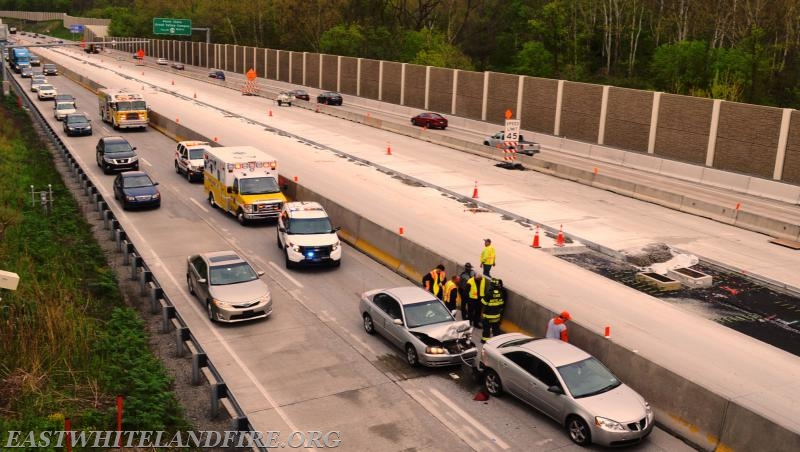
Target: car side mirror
pixel 281 229
pixel 453 312
pixel 155 183
pixel 100 151
pixel 201 281
pixel 133 148
pixel 229 190
pixel 398 321
pixel 337 228
pixel 260 273
pixel 555 390
pixel 285 187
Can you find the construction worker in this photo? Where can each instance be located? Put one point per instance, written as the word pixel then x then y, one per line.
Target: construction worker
pixel 434 280
pixel 557 327
pixel 451 297
pixel 463 290
pixel 477 292
pixel 492 312
pixel 487 257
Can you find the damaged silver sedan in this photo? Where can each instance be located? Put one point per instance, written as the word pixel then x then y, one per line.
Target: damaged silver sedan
pixel 418 323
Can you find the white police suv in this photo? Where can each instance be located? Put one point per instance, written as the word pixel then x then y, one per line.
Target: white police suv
pixel 306 236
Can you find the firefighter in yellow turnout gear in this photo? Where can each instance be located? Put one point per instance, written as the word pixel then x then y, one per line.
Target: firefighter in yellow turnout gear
pixel 492 312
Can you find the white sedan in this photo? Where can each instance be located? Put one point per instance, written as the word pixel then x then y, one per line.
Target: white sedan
pixel 162 61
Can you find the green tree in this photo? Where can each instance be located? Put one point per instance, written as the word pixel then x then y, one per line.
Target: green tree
pixel 681 67
pixel 347 40
pixel 535 60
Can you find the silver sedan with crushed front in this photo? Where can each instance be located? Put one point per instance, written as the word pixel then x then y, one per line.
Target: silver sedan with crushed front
pixel 568 385
pixel 414 320
pixel 229 288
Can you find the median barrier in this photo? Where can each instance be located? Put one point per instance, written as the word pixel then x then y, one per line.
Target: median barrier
pixel 607 154
pixel 770 226
pixel 724 179
pixel 774 190
pixel 743 429
pixel 680 170
pixel 642 162
pixel 614 184
pixel 708 209
pixel 657 196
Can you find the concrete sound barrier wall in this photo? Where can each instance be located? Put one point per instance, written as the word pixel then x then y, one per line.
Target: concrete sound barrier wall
pixel 690 411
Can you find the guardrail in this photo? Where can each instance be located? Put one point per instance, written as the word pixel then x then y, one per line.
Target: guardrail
pixel 221 397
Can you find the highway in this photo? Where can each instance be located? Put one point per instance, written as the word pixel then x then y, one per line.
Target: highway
pixel 320 371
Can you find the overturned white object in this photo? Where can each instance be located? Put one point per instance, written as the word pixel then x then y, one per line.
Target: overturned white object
pixel 679 260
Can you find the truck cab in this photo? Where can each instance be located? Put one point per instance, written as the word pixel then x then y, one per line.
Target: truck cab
pixel 306 236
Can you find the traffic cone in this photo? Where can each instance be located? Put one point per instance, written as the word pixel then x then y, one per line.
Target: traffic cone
pixel 173 82
pixel 560 238
pixel 270 112
pixel 536 239
pixel 388 149
pixel 475 191
pixel 316 110
pixel 215 139
pixel 481 396
pixel 195 95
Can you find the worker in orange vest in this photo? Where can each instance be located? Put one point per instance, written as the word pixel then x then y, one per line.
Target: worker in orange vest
pixel 433 281
pixel 557 327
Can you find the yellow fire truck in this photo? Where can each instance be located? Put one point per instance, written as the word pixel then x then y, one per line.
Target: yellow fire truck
pixel 243 181
pixel 123 109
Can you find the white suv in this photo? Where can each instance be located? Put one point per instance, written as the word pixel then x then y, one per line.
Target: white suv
pixel 189 159
pixel 306 236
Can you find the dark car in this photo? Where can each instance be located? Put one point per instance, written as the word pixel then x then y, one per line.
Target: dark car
pixel 35 60
pixel 178 66
pixel 116 154
pixel 65 98
pixel 77 124
pixel 299 94
pixel 329 98
pixel 50 69
pixel 217 74
pixel 26 72
pixel 136 189
pixel 430 120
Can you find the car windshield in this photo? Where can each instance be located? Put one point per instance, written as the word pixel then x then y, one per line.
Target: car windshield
pixel 137 181
pixel 587 378
pixel 65 106
pixel 120 146
pixel 309 226
pixel 45 87
pixel 76 119
pixel 426 313
pixel 300 92
pixel 131 106
pixel 258 186
pixel 196 154
pixel 232 274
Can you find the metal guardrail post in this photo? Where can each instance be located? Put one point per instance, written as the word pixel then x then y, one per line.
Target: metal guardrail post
pixel 156 294
pixel 167 313
pixel 144 277
pixel 181 335
pixel 95 197
pixel 101 208
pixel 89 189
pixel 218 391
pixel 199 360
pixel 136 262
pixel 83 180
pixel 127 249
pixel 239 425
pixel 119 236
pixel 113 226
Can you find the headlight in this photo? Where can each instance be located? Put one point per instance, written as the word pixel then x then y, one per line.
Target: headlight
pixel 157 196
pixel 335 246
pixel 135 158
pixel 247 208
pixel 435 350
pixel 130 198
pixel 221 304
pixel 648 410
pixel 295 248
pixel 608 425
pixel 108 159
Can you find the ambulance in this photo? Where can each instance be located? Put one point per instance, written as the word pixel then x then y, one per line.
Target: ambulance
pixel 243 181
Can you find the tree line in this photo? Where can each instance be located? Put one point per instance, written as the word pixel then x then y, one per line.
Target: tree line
pixel 737 50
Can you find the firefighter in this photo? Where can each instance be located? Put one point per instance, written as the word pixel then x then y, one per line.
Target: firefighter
pixel 463 290
pixel 492 312
pixel 477 292
pixel 557 327
pixel 451 296
pixel 434 280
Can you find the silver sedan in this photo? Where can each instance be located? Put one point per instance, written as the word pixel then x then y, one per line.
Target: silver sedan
pixel 418 323
pixel 228 287
pixel 568 385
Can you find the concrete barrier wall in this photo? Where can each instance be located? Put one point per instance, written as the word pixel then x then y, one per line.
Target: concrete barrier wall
pixel 684 408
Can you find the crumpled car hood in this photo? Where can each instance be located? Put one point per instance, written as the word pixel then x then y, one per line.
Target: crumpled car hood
pixel 444 331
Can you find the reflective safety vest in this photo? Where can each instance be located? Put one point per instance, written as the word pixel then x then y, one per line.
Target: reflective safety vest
pixel 487 255
pixel 473 288
pixel 448 292
pixel 493 307
pixel 433 283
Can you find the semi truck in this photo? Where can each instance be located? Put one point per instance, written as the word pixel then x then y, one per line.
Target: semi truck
pixel 123 109
pixel 243 181
pixel 20 56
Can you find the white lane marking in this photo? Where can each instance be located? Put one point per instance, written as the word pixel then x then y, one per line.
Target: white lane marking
pixel 145 161
pixel 288 276
pixel 465 434
pixel 202 207
pixel 494 438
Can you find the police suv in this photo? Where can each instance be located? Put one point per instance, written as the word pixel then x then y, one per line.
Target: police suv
pixel 306 236
pixel 189 159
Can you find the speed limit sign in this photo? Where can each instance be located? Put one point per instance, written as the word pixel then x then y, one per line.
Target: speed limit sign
pixel 511 136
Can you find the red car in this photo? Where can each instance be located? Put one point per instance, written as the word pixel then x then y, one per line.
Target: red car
pixel 430 120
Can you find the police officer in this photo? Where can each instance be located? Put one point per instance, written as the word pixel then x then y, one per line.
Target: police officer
pixel 492 312
pixel 477 293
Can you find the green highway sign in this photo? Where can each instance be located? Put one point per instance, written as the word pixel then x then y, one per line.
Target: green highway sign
pixel 173 27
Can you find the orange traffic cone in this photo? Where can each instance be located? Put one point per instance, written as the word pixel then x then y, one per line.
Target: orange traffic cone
pixel 195 95
pixel 536 239
pixel 173 82
pixel 560 238
pixel 270 112
pixel 481 396
pixel 475 191
pixel 388 149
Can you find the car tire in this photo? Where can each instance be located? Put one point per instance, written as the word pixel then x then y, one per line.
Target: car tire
pixel 286 261
pixel 578 431
pixel 492 383
pixel 338 263
pixel 411 356
pixel 189 176
pixel 210 311
pixel 177 168
pixel 279 103
pixel 289 104
pixel 189 284
pixel 211 201
pixel 240 217
pixel 278 241
pixel 369 327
